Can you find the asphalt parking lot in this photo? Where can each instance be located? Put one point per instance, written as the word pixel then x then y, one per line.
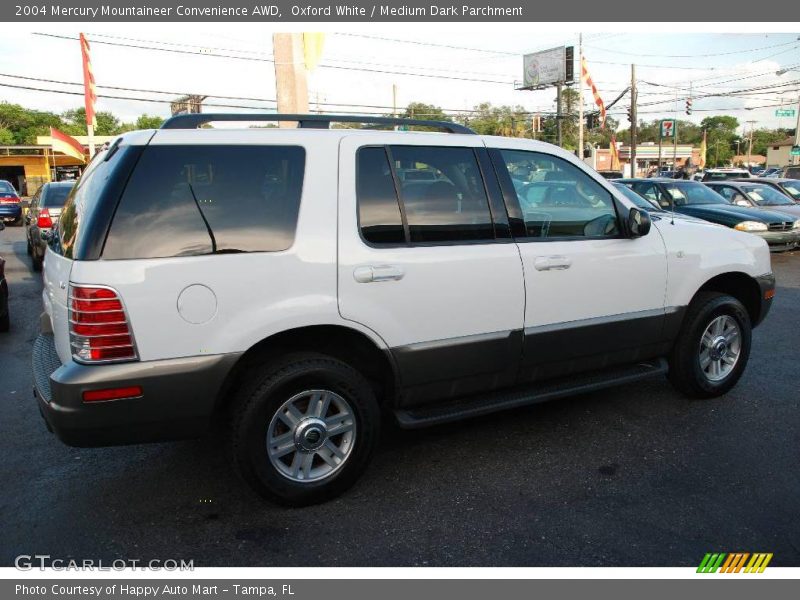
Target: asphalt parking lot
pixel 625 477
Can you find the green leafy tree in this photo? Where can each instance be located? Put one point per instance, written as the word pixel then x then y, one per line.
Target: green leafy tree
pixel 6 137
pixel 25 124
pixel 75 121
pixel 148 122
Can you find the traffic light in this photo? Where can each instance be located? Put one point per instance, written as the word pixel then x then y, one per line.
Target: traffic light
pixel 630 115
pixel 688 106
pixel 591 121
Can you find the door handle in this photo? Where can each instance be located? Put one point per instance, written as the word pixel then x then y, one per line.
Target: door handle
pixel 552 263
pixel 378 273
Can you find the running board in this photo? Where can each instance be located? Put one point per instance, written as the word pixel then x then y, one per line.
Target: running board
pixel 478 405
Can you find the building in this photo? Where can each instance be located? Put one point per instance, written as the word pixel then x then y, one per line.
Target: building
pixel 778 154
pixel 28 167
pixel 741 160
pixel 647 157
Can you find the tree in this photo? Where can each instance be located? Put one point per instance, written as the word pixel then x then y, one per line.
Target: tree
pixel 6 137
pixel 428 112
pixel 149 122
pixel 75 122
pixel 25 124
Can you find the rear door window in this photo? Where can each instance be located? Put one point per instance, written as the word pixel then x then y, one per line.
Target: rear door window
pixel 193 200
pixel 444 197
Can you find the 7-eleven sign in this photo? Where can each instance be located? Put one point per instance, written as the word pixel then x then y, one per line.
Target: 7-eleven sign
pixel 668 128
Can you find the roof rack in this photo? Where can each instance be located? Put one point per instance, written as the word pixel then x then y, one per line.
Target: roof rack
pixel 195 120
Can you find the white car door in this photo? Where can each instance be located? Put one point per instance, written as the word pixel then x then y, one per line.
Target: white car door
pixel 594 296
pixel 425 260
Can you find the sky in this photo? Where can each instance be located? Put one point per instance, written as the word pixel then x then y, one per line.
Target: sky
pixel 463 66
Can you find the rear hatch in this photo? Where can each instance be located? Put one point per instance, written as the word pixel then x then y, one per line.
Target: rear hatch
pixel 80 227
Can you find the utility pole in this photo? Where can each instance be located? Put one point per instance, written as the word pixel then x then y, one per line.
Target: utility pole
pixel 675 136
pixel 750 145
pixel 291 85
pixel 633 121
pixel 794 159
pixel 394 100
pixel 580 97
pixel 559 88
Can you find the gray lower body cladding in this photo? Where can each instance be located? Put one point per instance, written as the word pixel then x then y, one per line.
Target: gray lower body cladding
pixel 178 397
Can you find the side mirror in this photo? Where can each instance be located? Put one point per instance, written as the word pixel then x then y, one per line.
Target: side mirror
pixel 638 223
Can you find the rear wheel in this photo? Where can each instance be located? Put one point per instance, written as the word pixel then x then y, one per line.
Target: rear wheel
pixel 5 322
pixel 713 346
pixel 304 428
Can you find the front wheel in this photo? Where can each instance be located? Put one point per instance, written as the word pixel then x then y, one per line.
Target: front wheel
pixel 713 347
pixel 304 429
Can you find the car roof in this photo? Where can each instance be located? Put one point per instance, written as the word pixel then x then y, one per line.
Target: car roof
pixel 59 183
pixel 769 180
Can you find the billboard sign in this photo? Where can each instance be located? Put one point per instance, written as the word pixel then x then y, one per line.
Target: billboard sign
pixel 541 69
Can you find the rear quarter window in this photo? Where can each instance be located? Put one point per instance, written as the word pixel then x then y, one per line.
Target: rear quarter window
pixel 194 200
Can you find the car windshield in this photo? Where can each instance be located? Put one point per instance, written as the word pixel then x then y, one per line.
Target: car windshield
pixel 7 188
pixel 693 193
pixel 638 200
pixel 56 196
pixel 792 188
pixel 764 195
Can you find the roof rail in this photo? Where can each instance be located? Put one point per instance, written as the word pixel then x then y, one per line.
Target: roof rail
pixel 195 120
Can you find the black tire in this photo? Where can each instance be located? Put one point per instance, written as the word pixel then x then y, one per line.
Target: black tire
pixel 685 371
pixel 29 248
pixel 258 400
pixel 5 322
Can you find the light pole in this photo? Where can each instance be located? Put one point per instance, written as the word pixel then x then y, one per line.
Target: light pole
pixel 793 159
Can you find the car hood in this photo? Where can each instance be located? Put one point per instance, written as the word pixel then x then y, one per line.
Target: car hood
pixel 729 213
pixel 789 209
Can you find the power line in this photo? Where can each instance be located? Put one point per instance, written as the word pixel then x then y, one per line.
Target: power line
pixel 269 60
pixel 692 55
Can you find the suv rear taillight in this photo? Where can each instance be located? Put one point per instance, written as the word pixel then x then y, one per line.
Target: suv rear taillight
pixel 99 329
pixel 44 221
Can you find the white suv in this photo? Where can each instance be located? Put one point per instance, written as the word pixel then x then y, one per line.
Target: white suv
pixel 304 282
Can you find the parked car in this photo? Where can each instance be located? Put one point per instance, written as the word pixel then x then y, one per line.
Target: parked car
pixel 10 207
pixel 758 195
pixel 5 320
pixel 771 172
pixel 287 278
pixel 779 230
pixel 790 172
pixel 611 174
pixel 45 209
pixel 726 173
pixel 789 187
pixel 651 206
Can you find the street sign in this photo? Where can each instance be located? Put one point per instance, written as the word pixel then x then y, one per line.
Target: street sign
pixel 784 112
pixel 795 151
pixel 667 128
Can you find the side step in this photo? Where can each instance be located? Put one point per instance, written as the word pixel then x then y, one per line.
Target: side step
pixel 478 405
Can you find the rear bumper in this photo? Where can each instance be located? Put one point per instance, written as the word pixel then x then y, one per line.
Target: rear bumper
pixel 178 399
pixel 766 284
pixel 10 212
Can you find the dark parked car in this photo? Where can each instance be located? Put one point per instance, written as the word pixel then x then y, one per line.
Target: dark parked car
pixel 44 210
pixel 758 195
pixel 724 174
pixel 790 187
pixel 791 172
pixel 4 318
pixel 611 174
pixel 10 208
pixel 779 230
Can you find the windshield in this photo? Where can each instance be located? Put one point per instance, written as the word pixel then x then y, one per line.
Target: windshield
pixel 692 194
pixel 7 188
pixel 792 188
pixel 764 195
pixel 638 200
pixel 56 196
pixel 723 175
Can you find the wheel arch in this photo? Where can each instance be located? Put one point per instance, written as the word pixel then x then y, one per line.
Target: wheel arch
pixel 741 286
pixel 344 343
